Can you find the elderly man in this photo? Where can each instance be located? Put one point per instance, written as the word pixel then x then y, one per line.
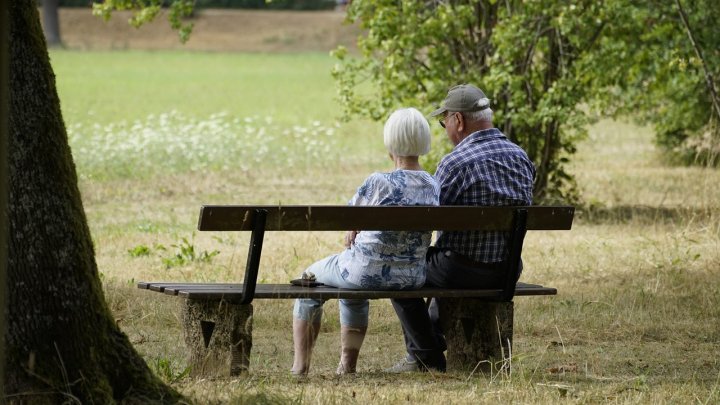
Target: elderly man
pixel 483 169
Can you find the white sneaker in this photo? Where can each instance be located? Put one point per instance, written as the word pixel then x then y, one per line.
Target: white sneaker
pixel 404 366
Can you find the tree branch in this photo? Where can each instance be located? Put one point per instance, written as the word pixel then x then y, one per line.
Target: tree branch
pixel 698 52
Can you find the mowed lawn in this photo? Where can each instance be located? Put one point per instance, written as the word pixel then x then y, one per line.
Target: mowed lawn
pixel 157 134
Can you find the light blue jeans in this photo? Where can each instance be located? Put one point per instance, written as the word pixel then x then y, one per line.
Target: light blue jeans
pixel 353 313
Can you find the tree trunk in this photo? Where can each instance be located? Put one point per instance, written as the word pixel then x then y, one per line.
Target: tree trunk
pixel 51 22
pixel 62 344
pixel 4 109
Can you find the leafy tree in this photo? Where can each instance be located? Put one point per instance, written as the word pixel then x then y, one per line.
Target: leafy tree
pixel 528 56
pixel 672 67
pixel 62 344
pixel 546 64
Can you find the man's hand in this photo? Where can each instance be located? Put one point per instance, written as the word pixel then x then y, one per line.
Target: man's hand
pixel 350 238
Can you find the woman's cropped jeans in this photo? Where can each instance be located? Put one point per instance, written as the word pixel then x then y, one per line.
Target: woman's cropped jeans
pixel 353 312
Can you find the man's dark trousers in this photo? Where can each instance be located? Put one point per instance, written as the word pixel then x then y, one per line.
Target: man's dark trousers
pixel 423 335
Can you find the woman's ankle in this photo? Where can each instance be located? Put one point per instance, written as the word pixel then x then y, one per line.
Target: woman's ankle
pixel 348 361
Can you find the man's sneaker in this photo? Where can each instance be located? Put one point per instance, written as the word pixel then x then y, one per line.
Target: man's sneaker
pixel 404 366
pixel 407 365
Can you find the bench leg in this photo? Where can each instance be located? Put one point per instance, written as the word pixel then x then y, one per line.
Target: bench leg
pixel 219 337
pixel 478 333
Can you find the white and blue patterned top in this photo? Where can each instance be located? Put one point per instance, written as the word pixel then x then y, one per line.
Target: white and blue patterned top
pixel 390 260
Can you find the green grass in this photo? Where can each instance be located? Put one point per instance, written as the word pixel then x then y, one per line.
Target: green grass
pixel 143 114
pixel 106 87
pixel 636 319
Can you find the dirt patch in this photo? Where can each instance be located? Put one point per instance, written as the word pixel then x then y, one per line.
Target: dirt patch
pixel 215 30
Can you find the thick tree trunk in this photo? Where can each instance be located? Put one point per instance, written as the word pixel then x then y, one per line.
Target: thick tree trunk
pixel 62 342
pixel 4 121
pixel 51 22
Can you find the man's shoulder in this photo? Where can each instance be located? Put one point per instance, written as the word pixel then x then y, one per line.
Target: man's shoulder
pixel 476 157
pixel 450 161
pixel 501 148
pixel 474 151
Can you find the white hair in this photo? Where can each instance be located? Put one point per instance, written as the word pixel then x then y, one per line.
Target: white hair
pixel 482 115
pixel 407 133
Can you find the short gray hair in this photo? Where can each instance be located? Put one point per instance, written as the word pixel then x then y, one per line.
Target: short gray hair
pixel 407 133
pixel 482 115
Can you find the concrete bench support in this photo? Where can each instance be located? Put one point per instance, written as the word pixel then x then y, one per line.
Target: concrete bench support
pixel 478 333
pixel 219 337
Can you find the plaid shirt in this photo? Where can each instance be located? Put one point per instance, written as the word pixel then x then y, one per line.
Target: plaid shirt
pixel 484 169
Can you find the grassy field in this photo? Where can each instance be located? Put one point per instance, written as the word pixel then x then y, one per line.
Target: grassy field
pixel 157 134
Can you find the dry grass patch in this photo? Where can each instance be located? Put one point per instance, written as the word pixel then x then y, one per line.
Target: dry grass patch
pixel 635 321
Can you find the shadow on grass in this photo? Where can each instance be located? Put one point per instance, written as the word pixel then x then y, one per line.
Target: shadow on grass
pixel 645 214
pixel 269 398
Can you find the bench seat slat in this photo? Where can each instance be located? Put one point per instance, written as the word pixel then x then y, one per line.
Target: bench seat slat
pixel 414 218
pixel 233 292
pixel 167 288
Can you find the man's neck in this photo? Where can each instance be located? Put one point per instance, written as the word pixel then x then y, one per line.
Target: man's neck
pixel 475 127
pixel 478 126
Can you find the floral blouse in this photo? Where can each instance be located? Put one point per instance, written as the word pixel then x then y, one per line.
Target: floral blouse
pixel 390 260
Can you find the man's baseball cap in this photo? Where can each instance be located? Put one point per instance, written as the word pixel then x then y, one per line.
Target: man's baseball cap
pixel 463 98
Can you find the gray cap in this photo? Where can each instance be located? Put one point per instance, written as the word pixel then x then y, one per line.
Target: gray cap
pixel 463 98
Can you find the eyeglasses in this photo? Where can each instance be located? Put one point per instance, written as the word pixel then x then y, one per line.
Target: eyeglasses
pixel 442 120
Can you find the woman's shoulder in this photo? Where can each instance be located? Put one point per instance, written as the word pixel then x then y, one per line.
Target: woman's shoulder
pixel 399 179
pixel 377 177
pixel 422 176
pixel 373 184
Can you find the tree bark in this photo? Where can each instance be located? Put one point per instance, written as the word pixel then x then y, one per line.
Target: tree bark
pixel 61 340
pixel 4 109
pixel 51 22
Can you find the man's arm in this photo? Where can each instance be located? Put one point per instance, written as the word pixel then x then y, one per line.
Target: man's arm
pixel 451 180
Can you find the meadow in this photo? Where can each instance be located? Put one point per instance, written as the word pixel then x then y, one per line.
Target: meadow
pixel 156 134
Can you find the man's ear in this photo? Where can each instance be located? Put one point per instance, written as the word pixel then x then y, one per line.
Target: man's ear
pixel 460 122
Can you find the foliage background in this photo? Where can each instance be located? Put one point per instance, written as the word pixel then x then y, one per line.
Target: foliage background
pixel 549 67
pixel 665 83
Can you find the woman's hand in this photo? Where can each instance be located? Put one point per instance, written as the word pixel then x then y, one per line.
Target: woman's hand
pixel 350 238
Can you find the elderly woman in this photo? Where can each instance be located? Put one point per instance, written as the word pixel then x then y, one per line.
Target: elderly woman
pixel 373 259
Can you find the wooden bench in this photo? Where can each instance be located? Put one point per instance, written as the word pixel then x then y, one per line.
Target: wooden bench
pixel 478 323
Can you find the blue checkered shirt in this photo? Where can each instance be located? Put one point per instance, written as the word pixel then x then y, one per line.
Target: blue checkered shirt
pixel 484 169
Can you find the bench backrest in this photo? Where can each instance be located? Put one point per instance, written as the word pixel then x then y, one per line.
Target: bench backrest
pixel 258 219
pixel 412 218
